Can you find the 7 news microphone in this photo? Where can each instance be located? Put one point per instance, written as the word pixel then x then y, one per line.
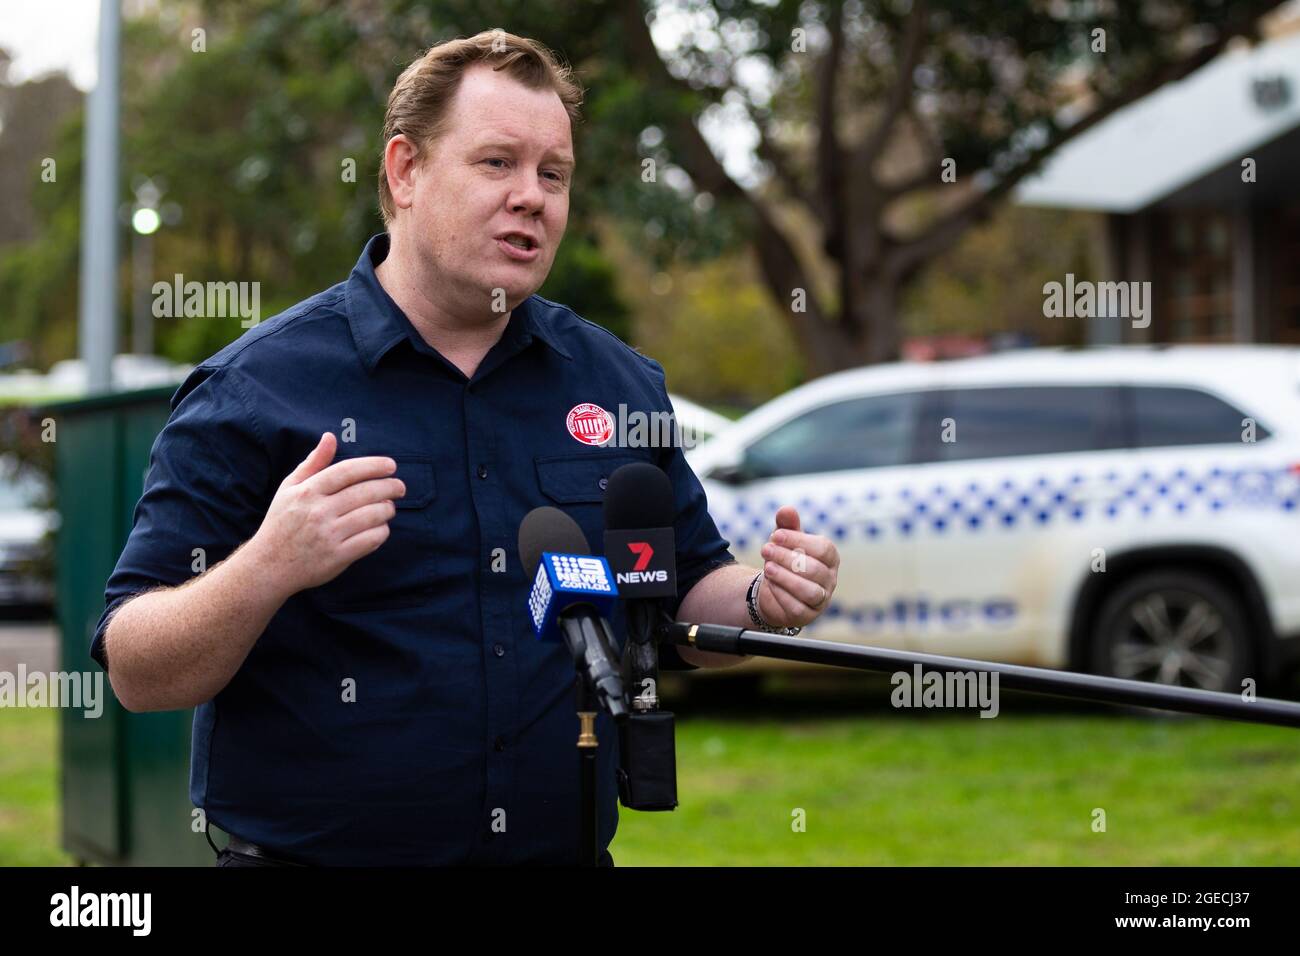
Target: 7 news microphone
pixel 640 547
pixel 572 596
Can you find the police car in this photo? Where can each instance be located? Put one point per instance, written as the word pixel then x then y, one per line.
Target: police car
pixel 1129 511
pixel 696 423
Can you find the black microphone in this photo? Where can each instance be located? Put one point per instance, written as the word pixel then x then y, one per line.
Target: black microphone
pixel 640 546
pixel 562 599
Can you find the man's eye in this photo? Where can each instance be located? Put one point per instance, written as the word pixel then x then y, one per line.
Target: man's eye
pixel 555 177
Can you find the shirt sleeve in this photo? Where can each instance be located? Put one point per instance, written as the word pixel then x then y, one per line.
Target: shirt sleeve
pixel 701 549
pixel 205 493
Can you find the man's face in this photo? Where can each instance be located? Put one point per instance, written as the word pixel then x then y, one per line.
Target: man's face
pixel 504 166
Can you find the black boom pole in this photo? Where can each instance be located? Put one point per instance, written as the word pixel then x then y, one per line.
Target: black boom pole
pixel 1035 680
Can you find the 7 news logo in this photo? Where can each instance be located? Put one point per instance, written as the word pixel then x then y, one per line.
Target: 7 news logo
pixel 644 552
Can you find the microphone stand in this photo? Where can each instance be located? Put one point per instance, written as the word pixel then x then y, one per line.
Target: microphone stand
pixel 588 818
pixel 597 686
pixel 1035 680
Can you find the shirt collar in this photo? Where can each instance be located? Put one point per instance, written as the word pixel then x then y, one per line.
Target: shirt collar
pixel 378 323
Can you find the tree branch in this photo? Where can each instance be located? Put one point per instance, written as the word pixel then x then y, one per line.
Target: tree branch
pixel 782 163
pixel 926 173
pixel 780 264
pixel 830 159
pixel 900 95
pixel 945 231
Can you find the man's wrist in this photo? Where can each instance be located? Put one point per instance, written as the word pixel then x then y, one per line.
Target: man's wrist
pixel 258 569
pixel 752 597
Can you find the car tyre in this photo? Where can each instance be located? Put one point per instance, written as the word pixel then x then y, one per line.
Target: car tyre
pixel 1181 628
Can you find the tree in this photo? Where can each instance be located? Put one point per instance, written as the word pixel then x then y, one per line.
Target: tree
pixel 265 133
pixel 30 116
pixel 874 101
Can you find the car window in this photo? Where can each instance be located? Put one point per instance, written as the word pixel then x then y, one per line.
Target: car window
pixel 968 423
pixel 1185 416
pixel 872 432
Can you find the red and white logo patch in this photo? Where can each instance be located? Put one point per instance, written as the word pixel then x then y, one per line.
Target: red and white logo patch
pixel 590 424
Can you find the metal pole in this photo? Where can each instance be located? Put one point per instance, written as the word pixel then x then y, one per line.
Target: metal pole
pixel 1035 680
pixel 141 302
pixel 97 305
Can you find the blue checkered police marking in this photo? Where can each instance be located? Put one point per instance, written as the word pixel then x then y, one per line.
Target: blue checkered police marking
pixel 1014 504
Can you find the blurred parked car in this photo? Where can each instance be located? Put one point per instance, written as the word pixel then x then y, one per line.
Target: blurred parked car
pixel 695 420
pixel 1129 511
pixel 23 523
pixel 129 371
pixel 67 378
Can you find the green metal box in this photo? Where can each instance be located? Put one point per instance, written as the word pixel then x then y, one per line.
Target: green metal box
pixel 124 777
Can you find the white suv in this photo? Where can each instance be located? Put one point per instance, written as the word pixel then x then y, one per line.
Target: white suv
pixel 1129 511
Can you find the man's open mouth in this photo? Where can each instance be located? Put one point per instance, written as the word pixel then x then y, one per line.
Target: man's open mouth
pixel 520 241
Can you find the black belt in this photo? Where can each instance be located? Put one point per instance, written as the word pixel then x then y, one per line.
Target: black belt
pixel 244 848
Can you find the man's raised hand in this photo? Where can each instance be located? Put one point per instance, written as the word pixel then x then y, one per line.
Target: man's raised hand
pixel 326 516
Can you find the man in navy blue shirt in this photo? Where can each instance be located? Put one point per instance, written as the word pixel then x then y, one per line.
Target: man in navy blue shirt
pixel 324 561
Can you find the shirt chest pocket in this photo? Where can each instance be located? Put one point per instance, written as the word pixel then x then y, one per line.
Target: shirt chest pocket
pixel 576 485
pixel 400 572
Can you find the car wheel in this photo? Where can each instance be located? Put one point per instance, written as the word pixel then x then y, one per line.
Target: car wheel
pixel 1173 627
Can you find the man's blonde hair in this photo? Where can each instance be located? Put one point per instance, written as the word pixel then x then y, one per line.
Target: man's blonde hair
pixel 420 103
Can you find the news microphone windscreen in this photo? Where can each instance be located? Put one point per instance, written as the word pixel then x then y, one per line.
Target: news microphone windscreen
pixel 548 529
pixel 639 495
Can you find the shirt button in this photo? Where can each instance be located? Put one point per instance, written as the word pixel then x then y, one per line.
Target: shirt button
pixel 603 483
pixel 499 744
pixel 482 471
pixel 498 650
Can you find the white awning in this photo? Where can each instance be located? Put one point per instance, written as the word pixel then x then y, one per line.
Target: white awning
pixel 1180 133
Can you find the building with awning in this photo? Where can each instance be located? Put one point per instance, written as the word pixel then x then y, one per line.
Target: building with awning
pixel 1199 184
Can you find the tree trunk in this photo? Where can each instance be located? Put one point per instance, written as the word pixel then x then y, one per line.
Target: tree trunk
pixel 883 336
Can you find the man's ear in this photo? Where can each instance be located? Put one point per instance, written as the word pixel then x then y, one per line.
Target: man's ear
pixel 400 166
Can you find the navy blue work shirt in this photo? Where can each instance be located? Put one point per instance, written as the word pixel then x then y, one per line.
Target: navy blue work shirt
pixel 461 717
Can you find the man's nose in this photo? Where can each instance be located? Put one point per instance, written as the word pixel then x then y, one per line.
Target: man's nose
pixel 528 195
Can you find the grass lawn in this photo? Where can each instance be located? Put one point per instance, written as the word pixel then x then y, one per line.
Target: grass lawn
pixel 885 787
pixel 891 787
pixel 29 788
